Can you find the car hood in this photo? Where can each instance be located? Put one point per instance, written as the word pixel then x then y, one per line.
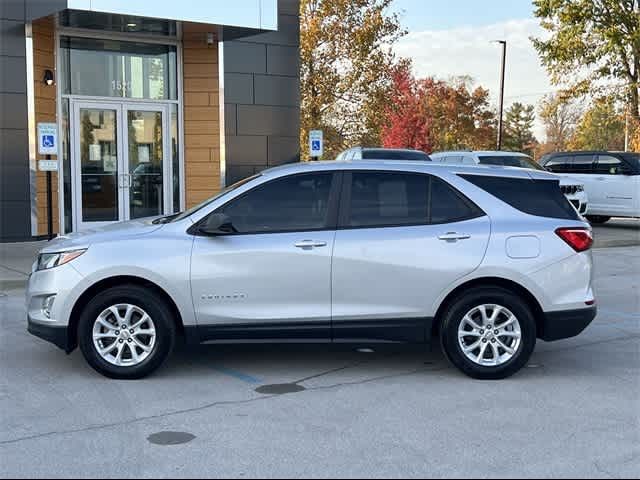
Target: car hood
pixel 116 231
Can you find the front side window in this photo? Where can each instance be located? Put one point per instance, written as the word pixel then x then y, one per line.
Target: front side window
pixel 389 199
pixel 294 203
pixel 559 164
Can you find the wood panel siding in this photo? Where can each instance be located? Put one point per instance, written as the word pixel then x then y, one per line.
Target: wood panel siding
pixel 45 111
pixel 201 114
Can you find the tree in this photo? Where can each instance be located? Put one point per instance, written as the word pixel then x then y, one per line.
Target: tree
pixel 407 123
pixel 594 44
pixel 560 116
pixel 601 128
pixel 518 128
pixel 634 140
pixel 346 69
pixel 462 118
pixel 436 115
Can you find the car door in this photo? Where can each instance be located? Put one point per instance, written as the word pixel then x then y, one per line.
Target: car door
pixel 616 185
pixel 402 239
pixel 271 278
pixel 582 168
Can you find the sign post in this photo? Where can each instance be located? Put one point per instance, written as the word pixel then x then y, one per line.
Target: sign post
pixel 316 144
pixel 48 145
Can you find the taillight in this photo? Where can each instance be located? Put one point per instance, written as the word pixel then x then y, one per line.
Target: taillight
pixel 580 239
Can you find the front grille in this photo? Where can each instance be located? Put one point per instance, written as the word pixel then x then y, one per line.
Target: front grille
pixel 571 189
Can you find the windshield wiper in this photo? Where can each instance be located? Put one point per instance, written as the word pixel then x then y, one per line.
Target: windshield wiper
pixel 163 220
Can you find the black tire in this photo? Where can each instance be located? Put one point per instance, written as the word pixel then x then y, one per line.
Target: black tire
pixel 154 305
pixel 453 317
pixel 598 219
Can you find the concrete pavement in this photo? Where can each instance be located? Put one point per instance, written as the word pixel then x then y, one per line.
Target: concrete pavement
pixel 574 412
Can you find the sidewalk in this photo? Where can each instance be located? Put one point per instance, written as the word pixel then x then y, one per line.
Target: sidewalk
pixel 16 260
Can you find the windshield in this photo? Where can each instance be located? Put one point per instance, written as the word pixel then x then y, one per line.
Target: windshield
pixel 187 213
pixel 394 155
pixel 518 161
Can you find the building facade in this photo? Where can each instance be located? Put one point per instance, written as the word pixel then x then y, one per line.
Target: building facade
pixel 158 105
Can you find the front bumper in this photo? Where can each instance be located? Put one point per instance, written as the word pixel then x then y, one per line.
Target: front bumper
pixel 565 324
pixel 58 335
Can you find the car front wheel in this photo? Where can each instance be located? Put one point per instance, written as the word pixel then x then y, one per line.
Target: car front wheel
pixel 126 332
pixel 489 333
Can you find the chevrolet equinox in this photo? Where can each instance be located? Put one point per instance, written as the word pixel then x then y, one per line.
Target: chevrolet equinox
pixel 486 259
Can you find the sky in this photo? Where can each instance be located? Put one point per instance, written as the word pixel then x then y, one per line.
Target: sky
pixel 454 37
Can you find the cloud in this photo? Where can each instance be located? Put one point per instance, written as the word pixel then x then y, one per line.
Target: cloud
pixel 469 51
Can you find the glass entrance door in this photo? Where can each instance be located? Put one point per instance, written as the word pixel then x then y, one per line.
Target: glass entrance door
pixel 146 163
pixel 120 162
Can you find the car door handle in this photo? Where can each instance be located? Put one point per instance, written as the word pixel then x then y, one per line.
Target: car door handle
pixel 309 244
pixel 454 237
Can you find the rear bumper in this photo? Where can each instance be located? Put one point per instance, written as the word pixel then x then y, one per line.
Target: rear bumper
pixel 53 334
pixel 566 324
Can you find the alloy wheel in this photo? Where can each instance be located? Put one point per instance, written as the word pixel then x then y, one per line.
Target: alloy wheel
pixel 124 335
pixel 489 335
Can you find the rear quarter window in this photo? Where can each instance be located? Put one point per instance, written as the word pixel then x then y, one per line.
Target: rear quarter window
pixel 542 198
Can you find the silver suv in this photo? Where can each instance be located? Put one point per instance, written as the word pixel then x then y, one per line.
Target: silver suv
pixel 489 260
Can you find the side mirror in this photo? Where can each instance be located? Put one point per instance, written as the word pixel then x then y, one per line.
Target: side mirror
pixel 217 224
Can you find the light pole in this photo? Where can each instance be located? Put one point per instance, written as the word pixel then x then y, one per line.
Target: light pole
pixel 501 108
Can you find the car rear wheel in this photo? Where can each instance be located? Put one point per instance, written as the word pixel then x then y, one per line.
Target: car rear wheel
pixel 126 332
pixel 598 219
pixel 489 333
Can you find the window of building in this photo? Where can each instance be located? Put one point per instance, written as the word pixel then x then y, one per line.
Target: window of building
pixel 110 68
pixel 117 23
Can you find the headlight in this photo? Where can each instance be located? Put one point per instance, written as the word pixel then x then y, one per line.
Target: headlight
pixel 52 260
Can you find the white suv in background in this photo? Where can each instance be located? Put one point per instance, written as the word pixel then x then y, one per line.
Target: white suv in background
pixel 572 188
pixel 611 179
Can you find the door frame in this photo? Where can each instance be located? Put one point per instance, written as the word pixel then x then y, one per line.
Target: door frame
pixel 76 168
pixel 121 107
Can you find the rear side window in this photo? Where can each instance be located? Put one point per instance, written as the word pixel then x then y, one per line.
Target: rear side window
pixel 388 199
pixel 448 205
pixel 541 198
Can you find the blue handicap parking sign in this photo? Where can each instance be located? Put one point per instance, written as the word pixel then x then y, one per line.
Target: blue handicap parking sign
pixel 315 145
pixel 48 141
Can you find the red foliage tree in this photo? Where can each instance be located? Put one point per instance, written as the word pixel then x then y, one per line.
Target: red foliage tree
pixel 408 125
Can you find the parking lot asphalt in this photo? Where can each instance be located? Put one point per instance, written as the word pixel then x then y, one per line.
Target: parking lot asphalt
pixel 396 412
